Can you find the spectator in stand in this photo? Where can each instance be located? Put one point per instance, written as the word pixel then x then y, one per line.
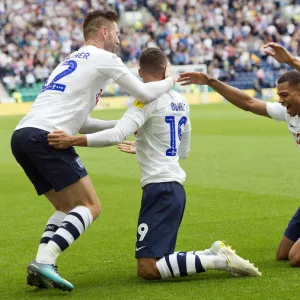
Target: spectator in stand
pixel 224 34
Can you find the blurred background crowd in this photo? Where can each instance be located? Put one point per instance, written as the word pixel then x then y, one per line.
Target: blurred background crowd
pixel 226 35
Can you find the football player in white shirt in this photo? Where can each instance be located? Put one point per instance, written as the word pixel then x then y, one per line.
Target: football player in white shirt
pixel 65 102
pixel 163 137
pixel 287 109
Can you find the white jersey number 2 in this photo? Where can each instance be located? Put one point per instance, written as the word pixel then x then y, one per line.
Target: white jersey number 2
pixel 53 85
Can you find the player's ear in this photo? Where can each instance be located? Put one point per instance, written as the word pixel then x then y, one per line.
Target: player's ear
pixel 140 72
pixel 104 30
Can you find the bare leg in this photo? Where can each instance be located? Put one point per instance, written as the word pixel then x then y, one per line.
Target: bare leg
pixel 284 248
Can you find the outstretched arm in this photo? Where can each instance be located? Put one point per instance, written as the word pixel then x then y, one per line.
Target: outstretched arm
pixel 94 125
pixel 233 95
pixel 282 55
pixel 144 92
pixel 111 66
pixel 125 127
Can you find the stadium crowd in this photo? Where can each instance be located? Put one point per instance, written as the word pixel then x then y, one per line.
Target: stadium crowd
pixel 227 35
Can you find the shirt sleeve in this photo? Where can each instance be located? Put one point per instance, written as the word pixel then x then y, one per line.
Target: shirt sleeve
pixel 144 92
pixel 111 66
pixel 94 125
pixel 114 68
pixel 131 121
pixel 276 111
pixel 185 144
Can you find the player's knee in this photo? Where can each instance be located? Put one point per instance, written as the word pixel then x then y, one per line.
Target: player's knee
pixel 148 271
pixel 294 258
pixel 65 207
pixel 281 255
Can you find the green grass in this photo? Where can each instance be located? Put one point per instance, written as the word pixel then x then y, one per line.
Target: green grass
pixel 242 186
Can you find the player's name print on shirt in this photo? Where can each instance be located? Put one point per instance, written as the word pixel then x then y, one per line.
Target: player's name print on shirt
pixel 180 106
pixel 83 55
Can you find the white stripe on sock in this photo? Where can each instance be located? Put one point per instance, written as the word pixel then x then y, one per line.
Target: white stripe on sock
pixel 163 268
pixel 85 214
pixel 55 221
pixel 174 265
pixel 191 264
pixel 75 221
pixel 66 235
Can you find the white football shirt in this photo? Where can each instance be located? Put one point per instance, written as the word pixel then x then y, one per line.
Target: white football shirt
pixel 279 113
pixel 162 126
pixel 73 90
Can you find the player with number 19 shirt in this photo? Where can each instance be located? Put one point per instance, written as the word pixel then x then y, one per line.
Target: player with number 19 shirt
pixel 162 138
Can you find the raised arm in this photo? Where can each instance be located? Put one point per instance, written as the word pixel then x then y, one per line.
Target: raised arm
pixel 144 92
pixel 282 55
pixel 111 66
pixel 230 93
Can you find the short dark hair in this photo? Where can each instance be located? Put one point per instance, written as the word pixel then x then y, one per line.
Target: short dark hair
pixel 292 77
pixel 97 18
pixel 153 60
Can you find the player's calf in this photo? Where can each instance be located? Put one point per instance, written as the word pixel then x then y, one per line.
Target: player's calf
pixel 146 268
pixel 95 209
pixel 80 193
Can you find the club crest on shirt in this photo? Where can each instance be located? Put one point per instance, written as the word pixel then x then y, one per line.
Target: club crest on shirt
pixel 79 162
pixel 138 104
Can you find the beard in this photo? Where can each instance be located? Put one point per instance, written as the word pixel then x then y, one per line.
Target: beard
pixel 116 49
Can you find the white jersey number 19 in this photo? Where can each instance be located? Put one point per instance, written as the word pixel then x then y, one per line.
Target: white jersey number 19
pixel 172 151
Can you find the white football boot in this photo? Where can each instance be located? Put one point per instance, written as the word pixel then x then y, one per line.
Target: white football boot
pixel 237 266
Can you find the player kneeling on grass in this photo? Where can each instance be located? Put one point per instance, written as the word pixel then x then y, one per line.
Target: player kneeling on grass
pixel 163 136
pixel 159 220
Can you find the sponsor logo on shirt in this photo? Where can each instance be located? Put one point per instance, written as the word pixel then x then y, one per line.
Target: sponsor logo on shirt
pixel 138 104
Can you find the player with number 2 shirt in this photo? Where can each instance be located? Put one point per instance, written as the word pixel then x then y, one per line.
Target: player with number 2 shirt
pixel 64 103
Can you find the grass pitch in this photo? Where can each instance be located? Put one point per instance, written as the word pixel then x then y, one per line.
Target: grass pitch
pixel 242 186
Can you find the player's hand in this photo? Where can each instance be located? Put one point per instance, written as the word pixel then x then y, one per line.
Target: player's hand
pixel 128 147
pixel 59 139
pixel 193 78
pixel 278 52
